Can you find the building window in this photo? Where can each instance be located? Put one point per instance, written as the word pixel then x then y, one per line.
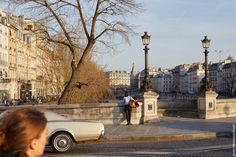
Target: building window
pixel 28 40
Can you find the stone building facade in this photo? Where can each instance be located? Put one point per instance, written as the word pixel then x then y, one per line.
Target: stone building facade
pixel 22 66
pixel 118 79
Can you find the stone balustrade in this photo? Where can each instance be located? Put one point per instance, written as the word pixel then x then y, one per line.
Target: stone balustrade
pixel 113 113
pixel 107 113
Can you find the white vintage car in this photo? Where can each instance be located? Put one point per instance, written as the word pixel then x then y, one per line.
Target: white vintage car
pixel 63 132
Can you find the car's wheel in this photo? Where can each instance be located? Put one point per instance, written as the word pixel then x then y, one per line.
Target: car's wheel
pixel 61 142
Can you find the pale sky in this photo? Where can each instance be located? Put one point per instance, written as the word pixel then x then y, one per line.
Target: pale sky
pixel 177 28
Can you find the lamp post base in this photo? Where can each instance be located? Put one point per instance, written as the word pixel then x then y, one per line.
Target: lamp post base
pixel 149 106
pixel 207 104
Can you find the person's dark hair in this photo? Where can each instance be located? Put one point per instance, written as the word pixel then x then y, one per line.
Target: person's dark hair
pixel 126 93
pixel 18 128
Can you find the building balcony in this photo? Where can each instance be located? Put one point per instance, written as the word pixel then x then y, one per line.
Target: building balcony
pixel 12 65
pixel 40 77
pixel 5 80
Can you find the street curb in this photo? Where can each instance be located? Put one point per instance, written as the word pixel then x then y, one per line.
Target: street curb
pixel 162 138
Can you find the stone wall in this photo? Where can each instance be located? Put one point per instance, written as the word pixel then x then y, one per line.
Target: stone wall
pixel 113 113
pixel 224 108
pixel 107 113
pixel 177 104
pixel 209 107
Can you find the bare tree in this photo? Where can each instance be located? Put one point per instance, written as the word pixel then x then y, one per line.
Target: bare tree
pixel 81 24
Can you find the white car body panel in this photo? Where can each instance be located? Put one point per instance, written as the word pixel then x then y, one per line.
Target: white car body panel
pixel 81 131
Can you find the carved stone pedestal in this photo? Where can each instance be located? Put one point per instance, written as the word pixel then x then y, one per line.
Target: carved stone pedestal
pixel 149 106
pixel 207 104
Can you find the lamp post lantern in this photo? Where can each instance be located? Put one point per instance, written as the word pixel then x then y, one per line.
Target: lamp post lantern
pixel 205 45
pixel 146 41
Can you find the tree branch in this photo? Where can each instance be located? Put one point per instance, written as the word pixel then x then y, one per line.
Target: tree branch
pixel 82 19
pixel 95 17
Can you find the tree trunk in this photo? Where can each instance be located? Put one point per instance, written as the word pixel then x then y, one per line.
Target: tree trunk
pixel 68 87
pixel 75 73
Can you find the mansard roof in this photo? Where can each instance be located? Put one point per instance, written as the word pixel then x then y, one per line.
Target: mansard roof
pixel 231 59
pixel 229 65
pixel 213 66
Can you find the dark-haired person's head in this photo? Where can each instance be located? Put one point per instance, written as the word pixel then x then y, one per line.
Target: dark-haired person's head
pixel 126 93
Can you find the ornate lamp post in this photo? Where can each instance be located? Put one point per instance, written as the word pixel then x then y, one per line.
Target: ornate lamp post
pixel 146 41
pixel 206 101
pixel 205 45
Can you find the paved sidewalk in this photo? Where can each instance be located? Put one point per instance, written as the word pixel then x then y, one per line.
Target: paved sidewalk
pixel 171 129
